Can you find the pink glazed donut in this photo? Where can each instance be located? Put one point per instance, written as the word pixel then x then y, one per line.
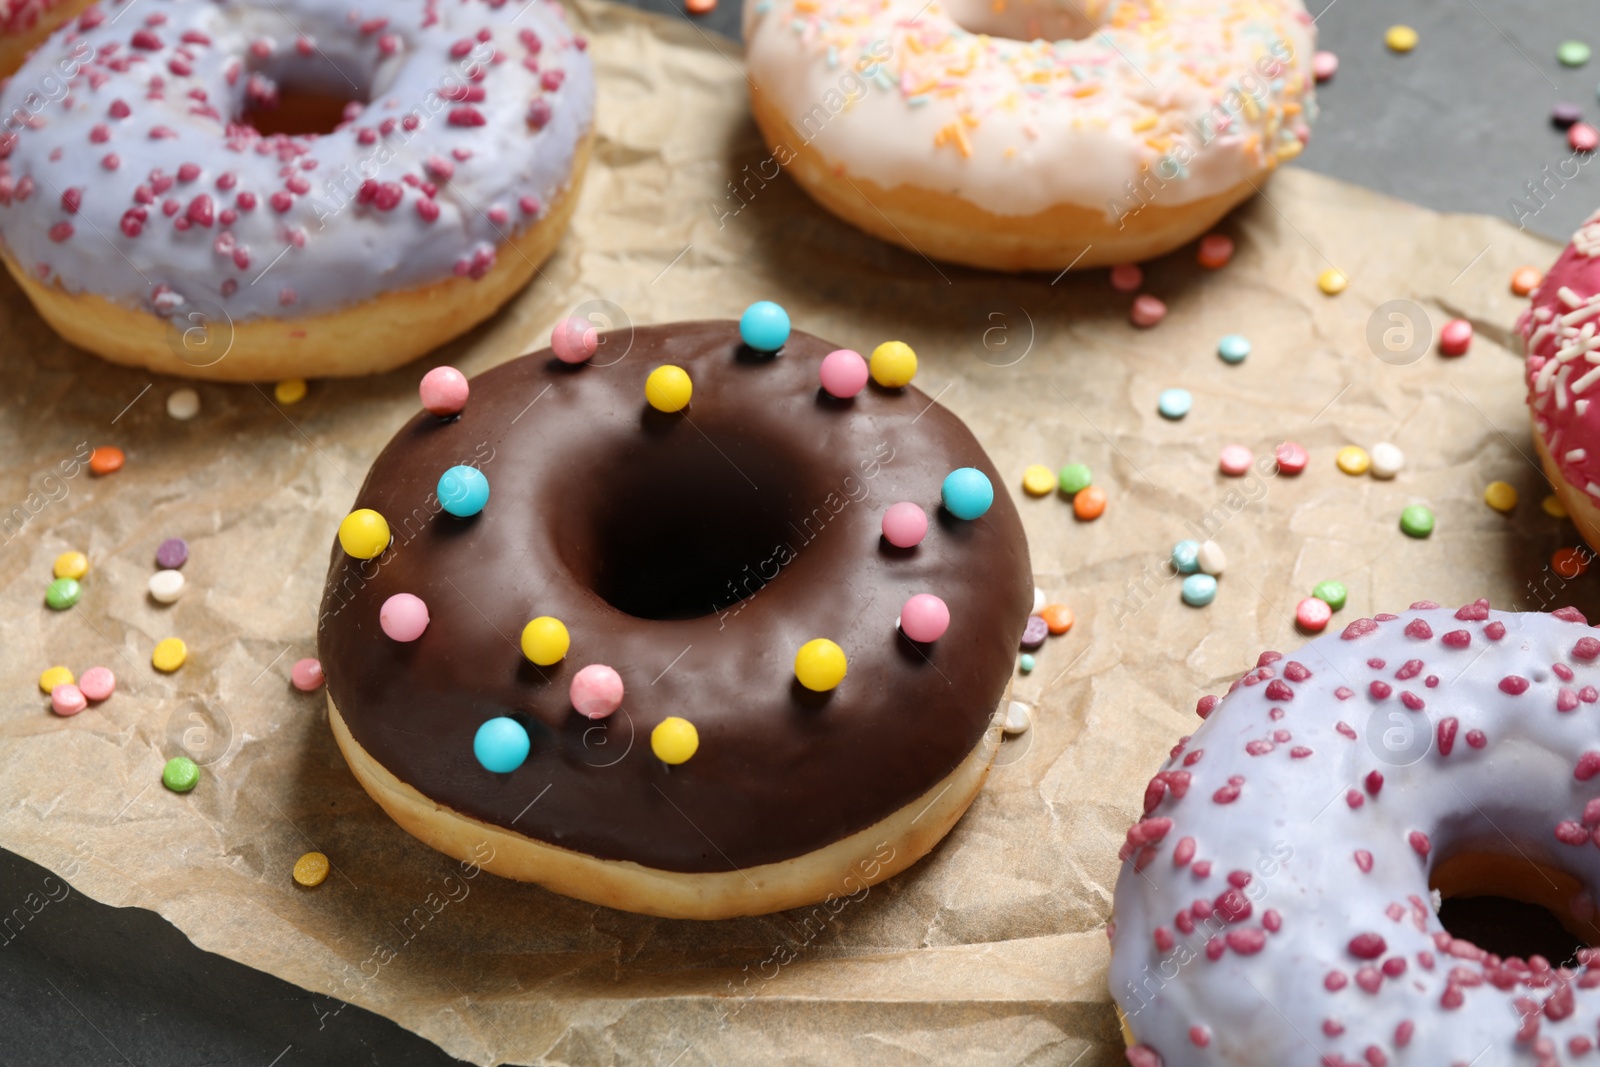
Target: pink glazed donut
pixel 1275 908
pixel 1560 341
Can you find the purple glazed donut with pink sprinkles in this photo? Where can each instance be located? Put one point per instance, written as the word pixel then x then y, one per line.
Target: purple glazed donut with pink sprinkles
pixel 1278 900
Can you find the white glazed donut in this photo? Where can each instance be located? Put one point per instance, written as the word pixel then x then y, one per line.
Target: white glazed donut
pixel 1274 908
pixel 24 23
pixel 1029 134
pixel 148 221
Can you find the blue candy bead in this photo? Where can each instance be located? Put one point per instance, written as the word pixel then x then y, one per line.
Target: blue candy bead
pixel 967 493
pixel 1186 557
pixel 1233 348
pixel 1174 403
pixel 764 326
pixel 463 491
pixel 501 745
pixel 1199 590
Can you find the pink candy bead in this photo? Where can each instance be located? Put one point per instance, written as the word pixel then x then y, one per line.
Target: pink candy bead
pixel 905 525
pixel 67 700
pixel 444 391
pixel 1235 460
pixel 306 674
pixel 97 684
pixel 924 618
pixel 844 373
pixel 403 617
pixel 596 691
pixel 1147 310
pixel 1312 614
pixel 1583 137
pixel 1324 65
pixel 1126 277
pixel 574 340
pixel 1455 338
pixel 1216 249
pixel 1292 458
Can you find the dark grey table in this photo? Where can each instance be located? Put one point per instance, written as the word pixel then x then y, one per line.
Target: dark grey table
pixel 1460 124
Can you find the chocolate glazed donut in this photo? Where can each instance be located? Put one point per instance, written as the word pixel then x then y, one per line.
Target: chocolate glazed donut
pixel 693 552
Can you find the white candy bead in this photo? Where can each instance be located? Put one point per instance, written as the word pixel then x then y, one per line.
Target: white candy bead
pixel 1386 460
pixel 1212 559
pixel 183 404
pixel 166 586
pixel 1038 599
pixel 1017 719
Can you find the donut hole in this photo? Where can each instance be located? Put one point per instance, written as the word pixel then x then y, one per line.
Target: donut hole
pixel 298 112
pixel 303 95
pixel 1501 905
pixel 1022 20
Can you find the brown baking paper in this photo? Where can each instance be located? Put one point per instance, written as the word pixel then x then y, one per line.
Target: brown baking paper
pixel 991 950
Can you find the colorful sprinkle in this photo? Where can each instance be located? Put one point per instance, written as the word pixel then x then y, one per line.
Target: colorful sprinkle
pixel 403 617
pixel 166 586
pixel 819 665
pixel 306 675
pixel 181 774
pixel 894 364
pixel 107 459
pixel 1235 460
pixel 674 740
pixel 1292 458
pixel 1233 348
pixel 967 493
pixel 172 553
pixel 1525 279
pixel 170 654
pixel 1089 504
pixel 1126 277
pixel 1324 65
pixel 463 491
pixel 1038 480
pixel 1312 615
pixel 1570 562
pixel 668 388
pixel 844 373
pixel 574 340
pixel 1216 249
pixel 545 640
pixel 1174 403
pixel 62 593
pixel 1034 632
pixel 311 870
pixel 1455 338
pixel 1058 617
pixel 72 565
pixel 501 745
pixel 1502 496
pixel 1146 311
pixel 1386 460
pixel 183 404
pixel 444 391
pixel 1074 478
pixel 1212 559
pixel 290 391
pixel 905 524
pixel 1353 460
pixel 924 618
pixel 1572 53
pixel 1332 282
pixel 1582 137
pixel 98 683
pixel 364 534
pixel 54 676
pixel 1416 521
pixel 1553 507
pixel 67 700
pixel 1332 593
pixel 596 691
pixel 1400 38
pixel 1026 663
pixel 1563 115
pixel 764 326
pixel 1186 557
pixel 1199 590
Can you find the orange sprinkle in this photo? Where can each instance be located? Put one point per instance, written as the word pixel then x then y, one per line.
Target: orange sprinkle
pixel 1569 562
pixel 106 459
pixel 1090 503
pixel 1525 280
pixel 1058 617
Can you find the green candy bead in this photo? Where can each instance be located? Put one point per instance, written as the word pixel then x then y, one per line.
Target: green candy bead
pixel 1026 663
pixel 1416 521
pixel 1572 53
pixel 62 593
pixel 181 774
pixel 1075 477
pixel 1331 593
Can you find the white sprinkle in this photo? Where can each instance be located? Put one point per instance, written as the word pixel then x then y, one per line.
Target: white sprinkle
pixel 166 586
pixel 1577 455
pixel 1581 407
pixel 183 404
pixel 1387 460
pixel 1593 490
pixel 1018 718
pixel 1587 380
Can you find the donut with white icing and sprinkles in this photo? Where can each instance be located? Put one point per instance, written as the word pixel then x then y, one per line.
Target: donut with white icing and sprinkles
pixel 24 23
pixel 1275 909
pixel 423 160
pixel 1030 135
pixel 1561 342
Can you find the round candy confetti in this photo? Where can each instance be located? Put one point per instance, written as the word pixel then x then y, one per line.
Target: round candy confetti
pixel 403 617
pixel 1502 496
pixel 819 665
pixel 1216 249
pixel 1212 559
pixel 54 676
pixel 1038 480
pixel 1331 593
pixel 501 745
pixel 1572 53
pixel 1525 280
pixel 1235 460
pixel 1353 459
pixel 1400 38
pixel 1075 478
pixel 1312 615
pixel 463 491
pixel 444 391
pixel 674 740
pixel 311 869
pixel 1034 632
pixel 1025 663
pixel 1038 600
pixel 1553 507
pixel 1332 282
pixel 106 459
pixel 1386 460
pixel 700 7
pixel 1233 348
pixel 98 683
pixel 166 586
pixel 181 774
pixel 1199 590
pixel 67 700
pixel 364 534
pixel 62 593
pixel 844 373
pixel 183 404
pixel 71 565
pixel 1126 277
pixel 1186 557
pixel 1455 338
pixel 1292 458
pixel 545 640
pixel 967 493
pixel 169 654
pixel 1563 115
pixel 764 326
pixel 1089 504
pixel 596 691
pixel 1017 719
pixel 290 391
pixel 1324 65
pixel 306 675
pixel 668 388
pixel 894 364
pixel 1174 403
pixel 172 553
pixel 1146 311
pixel 574 340
pixel 1416 521
pixel 1582 137
pixel 1058 617
pixel 1569 562
pixel 924 617
pixel 905 524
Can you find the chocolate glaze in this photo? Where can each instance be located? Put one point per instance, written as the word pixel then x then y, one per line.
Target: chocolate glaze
pixel 765 483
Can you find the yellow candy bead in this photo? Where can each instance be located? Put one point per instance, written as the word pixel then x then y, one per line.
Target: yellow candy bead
pixel 893 364
pixel 1332 282
pixel 169 655
pixel 1353 459
pixel 1038 480
pixel 1502 496
pixel 290 390
pixel 55 676
pixel 545 640
pixel 674 740
pixel 1553 507
pixel 668 388
pixel 1400 38
pixel 311 869
pixel 364 533
pixel 71 565
pixel 820 665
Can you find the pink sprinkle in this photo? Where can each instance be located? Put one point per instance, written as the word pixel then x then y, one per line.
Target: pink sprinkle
pixel 1334 981
pixel 1374 782
pixel 60 232
pixel 1247 941
pixel 1126 277
pixel 467 116
pixel 202 212
pixel 1570 614
pixel 1571 833
pixel 119 109
pixel 1588 766
pixel 1367 946
pixel 281 201
pixel 1457 639
pixel 1354 799
pixel 1379 690
pixel 1183 852
pixel 1216 249
pixel 1420 843
pixel 1447 735
pixel 71 200
pixel 1292 458
pixel 145 41
pixel 1199 1036
pixel 1235 460
pixel 427 210
pixel 306 675
pixel 1583 137
pixel 1587 649
pixel 1364 860
pixel 1226 795
pixel 1147 311
pixel 1566 699
pixel 1495 631
pixel 1477 611
pixel 1419 629
pixel 1455 338
pixel 1477 739
pixel 1358 628
pixel 1513 685
pixel 111 161
pixel 1324 65
pixel 1163 939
